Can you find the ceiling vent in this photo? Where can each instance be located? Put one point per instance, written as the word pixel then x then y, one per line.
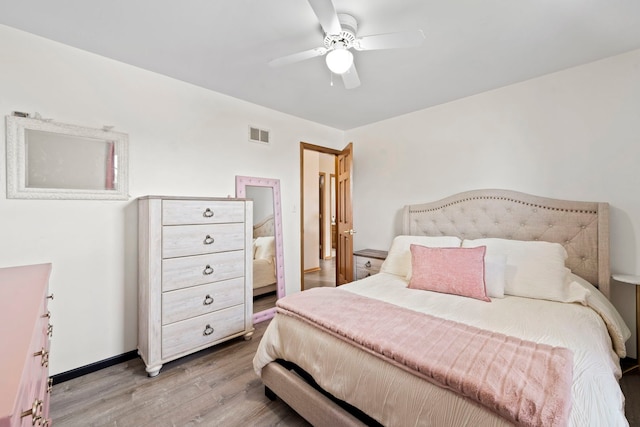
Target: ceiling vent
pixel 258 135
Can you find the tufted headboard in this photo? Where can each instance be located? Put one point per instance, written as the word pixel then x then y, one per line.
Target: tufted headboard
pixel 581 227
pixel 264 228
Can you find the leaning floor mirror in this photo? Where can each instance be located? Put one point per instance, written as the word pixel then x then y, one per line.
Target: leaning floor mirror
pixel 268 259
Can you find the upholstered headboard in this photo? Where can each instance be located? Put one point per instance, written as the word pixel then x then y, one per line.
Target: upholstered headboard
pixel 581 227
pixel 264 228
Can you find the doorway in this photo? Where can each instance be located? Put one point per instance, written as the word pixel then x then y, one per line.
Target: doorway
pixel 325 259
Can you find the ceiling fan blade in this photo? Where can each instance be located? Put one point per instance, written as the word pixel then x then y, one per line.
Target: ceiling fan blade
pixel 297 57
pixel 350 78
pixel 326 13
pixel 390 41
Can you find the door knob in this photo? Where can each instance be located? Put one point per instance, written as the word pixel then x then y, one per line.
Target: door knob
pixel 351 232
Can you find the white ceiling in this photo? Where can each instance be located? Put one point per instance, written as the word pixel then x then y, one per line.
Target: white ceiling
pixel 471 46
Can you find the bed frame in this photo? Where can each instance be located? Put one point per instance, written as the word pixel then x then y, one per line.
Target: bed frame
pixel 581 227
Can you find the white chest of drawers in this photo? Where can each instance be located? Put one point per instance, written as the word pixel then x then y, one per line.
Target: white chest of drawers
pixel 194 275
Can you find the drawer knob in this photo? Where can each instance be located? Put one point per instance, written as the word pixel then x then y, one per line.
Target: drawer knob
pixel 208 300
pixel 45 357
pixel 208 330
pixel 208 213
pixel 207 270
pixel 35 412
pixel 50 385
pixel 208 240
pixel 50 297
pixel 47 314
pixel 50 330
pixel 368 264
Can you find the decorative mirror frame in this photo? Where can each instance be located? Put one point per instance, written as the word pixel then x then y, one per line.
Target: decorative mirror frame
pixel 241 191
pixel 17 160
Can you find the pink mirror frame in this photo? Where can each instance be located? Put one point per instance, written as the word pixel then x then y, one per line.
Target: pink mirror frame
pixel 241 192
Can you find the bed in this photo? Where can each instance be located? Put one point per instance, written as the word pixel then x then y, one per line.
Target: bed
pixel 330 380
pixel 264 252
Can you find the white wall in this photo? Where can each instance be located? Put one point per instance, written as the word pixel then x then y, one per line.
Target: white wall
pixel 184 140
pixel 328 167
pixel 311 210
pixel 574 134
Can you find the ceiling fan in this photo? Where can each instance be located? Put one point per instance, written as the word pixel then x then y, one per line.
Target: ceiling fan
pixel 340 36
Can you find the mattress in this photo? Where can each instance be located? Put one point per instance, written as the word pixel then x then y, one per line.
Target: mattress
pixel 264 273
pixel 393 396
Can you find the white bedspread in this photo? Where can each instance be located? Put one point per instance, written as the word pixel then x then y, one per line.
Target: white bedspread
pixel 597 398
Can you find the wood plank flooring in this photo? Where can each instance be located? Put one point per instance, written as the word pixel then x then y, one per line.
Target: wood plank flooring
pixel 215 387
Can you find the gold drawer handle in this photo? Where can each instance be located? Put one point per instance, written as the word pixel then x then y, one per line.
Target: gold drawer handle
pixel 208 300
pixel 50 385
pixel 208 213
pixel 45 357
pixel 208 330
pixel 47 314
pixel 35 412
pixel 50 330
pixel 208 240
pixel 367 264
pixel 207 270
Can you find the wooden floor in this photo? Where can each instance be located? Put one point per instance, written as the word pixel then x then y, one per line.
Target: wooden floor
pixel 215 387
pixel 326 276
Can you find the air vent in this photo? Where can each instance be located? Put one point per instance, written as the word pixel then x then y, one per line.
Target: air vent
pixel 258 135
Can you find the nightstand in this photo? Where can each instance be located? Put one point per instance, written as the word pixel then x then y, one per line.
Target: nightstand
pixel 633 280
pixel 367 262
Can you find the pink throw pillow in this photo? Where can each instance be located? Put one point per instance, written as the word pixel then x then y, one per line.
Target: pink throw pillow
pixel 457 271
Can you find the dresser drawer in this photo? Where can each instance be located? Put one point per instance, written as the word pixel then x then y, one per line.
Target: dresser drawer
pixel 367 262
pixel 184 240
pixel 201 331
pixel 182 272
pixel 177 212
pixel 197 300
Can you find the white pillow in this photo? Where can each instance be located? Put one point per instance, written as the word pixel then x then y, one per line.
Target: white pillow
pixel 265 248
pixel 535 269
pixel 398 259
pixel 494 275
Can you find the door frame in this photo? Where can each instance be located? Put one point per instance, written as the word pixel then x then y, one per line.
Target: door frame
pixel 320 149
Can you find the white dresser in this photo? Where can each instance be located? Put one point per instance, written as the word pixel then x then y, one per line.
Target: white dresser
pixel 194 275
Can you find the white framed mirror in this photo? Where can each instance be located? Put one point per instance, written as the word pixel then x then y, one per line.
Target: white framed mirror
pixel 50 160
pixel 268 259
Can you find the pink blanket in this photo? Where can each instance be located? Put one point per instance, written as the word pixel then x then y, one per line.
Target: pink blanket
pixel 524 382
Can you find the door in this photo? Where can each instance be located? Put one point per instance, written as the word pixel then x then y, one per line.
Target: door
pixel 344 217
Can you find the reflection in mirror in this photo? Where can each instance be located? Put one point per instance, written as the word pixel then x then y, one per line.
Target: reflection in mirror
pixel 49 160
pixel 268 259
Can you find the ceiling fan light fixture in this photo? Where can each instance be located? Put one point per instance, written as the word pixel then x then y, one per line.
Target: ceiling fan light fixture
pixel 339 60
